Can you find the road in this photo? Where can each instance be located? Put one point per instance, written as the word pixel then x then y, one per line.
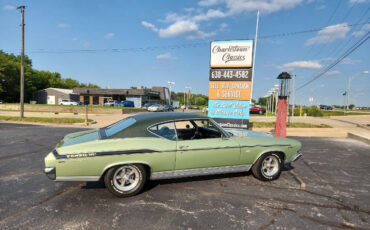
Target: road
pixel 327 189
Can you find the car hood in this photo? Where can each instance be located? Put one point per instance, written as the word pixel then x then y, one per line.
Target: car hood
pixel 80 137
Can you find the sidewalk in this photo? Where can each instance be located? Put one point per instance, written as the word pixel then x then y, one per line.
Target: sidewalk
pixel 343 126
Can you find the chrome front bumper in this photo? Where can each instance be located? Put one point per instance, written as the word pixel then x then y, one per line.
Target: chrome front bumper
pixel 50 173
pixel 295 157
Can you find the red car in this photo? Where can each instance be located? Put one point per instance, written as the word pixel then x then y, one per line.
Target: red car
pixel 257 110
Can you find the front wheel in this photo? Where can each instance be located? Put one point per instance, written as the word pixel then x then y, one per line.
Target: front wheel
pixel 260 112
pixel 267 167
pixel 125 180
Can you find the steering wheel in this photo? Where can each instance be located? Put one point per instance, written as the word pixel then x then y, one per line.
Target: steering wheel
pixel 196 134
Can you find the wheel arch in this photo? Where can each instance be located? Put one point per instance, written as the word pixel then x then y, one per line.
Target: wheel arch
pixel 147 167
pixel 278 151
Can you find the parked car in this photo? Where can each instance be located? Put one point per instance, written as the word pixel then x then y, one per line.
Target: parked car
pixel 67 102
pixel 110 103
pixel 183 107
pixel 147 105
pixel 156 108
pixel 195 107
pixel 257 110
pixel 326 107
pixel 125 104
pixel 1 102
pixel 160 146
pixel 168 108
pixel 80 103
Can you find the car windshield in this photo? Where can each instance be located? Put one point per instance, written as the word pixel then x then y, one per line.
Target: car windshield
pixel 119 126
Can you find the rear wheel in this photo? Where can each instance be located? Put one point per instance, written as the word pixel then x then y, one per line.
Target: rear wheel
pixel 268 167
pixel 125 180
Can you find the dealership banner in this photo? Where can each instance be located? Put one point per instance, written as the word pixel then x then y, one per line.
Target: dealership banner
pixel 236 53
pixel 230 90
pixel 230 74
pixel 232 123
pixel 229 109
pixel 230 79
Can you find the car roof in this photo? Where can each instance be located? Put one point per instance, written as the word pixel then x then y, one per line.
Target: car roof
pixel 144 120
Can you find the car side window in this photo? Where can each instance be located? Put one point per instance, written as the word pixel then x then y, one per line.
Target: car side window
pixel 165 130
pixel 205 129
pixel 185 130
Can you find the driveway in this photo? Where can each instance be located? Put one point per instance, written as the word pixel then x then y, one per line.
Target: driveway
pixel 328 188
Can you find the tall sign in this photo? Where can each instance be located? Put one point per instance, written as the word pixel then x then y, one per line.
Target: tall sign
pixel 230 82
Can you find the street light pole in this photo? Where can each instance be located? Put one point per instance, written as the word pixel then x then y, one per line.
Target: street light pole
pixel 22 64
pixel 349 85
pixel 171 83
pixel 188 88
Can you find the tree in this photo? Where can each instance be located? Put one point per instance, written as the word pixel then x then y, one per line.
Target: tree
pixel 33 79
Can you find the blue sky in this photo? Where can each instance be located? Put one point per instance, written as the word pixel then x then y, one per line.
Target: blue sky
pixel 172 41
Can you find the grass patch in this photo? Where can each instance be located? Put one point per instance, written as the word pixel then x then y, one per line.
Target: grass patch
pixel 33 111
pixel 76 106
pixel 45 119
pixel 341 113
pixel 291 125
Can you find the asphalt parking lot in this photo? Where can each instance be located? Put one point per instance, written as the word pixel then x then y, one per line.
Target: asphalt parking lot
pixel 328 188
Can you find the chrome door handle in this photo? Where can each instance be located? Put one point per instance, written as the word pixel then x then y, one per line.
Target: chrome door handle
pixel 183 147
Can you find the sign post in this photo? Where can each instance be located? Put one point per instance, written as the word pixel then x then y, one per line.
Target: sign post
pixel 230 82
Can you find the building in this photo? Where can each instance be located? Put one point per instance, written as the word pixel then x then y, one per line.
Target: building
pixel 140 96
pixel 53 96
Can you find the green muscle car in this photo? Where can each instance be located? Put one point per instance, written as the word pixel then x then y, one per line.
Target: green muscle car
pixel 151 146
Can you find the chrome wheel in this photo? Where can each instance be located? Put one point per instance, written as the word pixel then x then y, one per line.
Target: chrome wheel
pixel 270 166
pixel 126 178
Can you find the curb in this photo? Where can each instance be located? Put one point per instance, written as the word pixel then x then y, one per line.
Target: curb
pixel 359 138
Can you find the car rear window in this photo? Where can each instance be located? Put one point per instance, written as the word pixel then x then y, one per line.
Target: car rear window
pixel 119 126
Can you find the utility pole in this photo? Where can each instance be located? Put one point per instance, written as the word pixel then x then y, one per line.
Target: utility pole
pixel 21 100
pixel 254 52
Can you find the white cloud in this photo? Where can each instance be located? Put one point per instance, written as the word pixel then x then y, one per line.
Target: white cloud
pixel 362 31
pixel 165 56
pixel 178 28
pixel 74 39
pixel 109 36
pixel 265 6
pixel 149 25
pixel 86 44
pixel 211 13
pixel 349 61
pixel 63 25
pixel 334 72
pixel 301 65
pixel 9 7
pixel 329 34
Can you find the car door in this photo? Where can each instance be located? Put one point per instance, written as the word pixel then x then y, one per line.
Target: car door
pixel 205 151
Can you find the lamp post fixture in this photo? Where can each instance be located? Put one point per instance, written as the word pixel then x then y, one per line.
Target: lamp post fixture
pixel 188 88
pixel 86 108
pixel 349 84
pixel 171 83
pixel 281 117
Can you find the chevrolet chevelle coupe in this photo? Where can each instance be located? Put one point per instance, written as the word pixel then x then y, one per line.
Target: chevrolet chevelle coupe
pixel 151 146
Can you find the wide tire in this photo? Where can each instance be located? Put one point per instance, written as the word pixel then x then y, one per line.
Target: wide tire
pixel 268 167
pixel 125 180
pixel 260 112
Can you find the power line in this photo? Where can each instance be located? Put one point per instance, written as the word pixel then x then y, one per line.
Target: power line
pixel 178 46
pixel 338 60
